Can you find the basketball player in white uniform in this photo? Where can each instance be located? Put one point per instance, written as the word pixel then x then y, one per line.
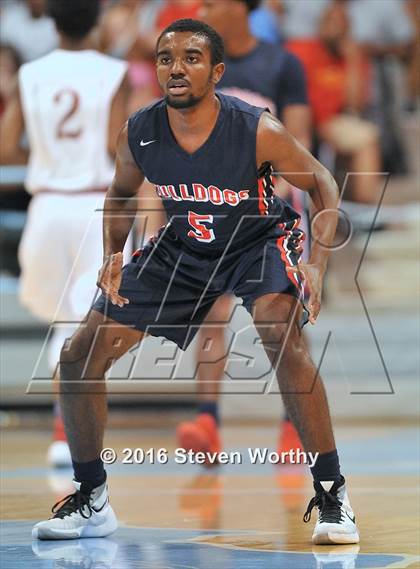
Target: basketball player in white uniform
pixel 72 103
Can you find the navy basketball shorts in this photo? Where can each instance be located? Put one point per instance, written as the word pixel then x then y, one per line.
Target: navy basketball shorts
pixel 171 289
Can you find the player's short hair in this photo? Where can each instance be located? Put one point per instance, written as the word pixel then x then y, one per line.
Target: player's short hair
pixel 217 49
pixel 251 4
pixel 74 18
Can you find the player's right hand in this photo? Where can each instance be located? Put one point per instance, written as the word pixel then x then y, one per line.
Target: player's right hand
pixel 313 275
pixel 109 279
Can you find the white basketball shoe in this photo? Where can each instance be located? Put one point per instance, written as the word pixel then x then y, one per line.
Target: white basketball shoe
pixel 336 522
pixel 86 513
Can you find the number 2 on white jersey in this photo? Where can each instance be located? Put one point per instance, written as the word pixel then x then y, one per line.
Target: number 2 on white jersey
pixel 73 101
pixel 200 231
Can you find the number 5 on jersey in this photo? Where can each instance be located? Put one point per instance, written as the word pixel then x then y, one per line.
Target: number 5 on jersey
pixel 200 231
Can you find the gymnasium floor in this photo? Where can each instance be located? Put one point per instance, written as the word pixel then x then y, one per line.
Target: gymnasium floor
pixel 244 516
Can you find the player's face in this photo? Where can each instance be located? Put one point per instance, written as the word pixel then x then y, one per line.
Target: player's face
pixel 184 70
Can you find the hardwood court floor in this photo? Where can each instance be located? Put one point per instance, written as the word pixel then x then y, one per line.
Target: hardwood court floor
pixel 235 516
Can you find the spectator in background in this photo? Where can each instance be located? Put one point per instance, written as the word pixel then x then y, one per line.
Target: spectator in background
pixel 12 195
pixel 337 76
pixel 381 28
pixel 175 10
pixel 119 27
pixel 25 26
pixel 413 78
pixel 386 34
pixel 264 22
pixel 127 30
pixel 301 18
pixel 9 64
pixel 259 73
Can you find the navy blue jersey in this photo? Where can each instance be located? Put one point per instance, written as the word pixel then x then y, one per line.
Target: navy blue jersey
pixel 268 76
pixel 215 198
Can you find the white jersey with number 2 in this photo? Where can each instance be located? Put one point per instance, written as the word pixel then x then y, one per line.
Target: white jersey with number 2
pixel 66 98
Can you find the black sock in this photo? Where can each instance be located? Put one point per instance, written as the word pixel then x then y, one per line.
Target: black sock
pixel 327 467
pixel 92 472
pixel 210 407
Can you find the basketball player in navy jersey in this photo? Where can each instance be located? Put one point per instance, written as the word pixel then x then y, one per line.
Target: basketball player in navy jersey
pixel 209 157
pixel 263 75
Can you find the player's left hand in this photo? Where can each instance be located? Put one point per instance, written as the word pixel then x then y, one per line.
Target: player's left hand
pixel 314 277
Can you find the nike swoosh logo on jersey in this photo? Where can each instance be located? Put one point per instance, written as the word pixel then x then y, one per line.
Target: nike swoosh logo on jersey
pixel 142 143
